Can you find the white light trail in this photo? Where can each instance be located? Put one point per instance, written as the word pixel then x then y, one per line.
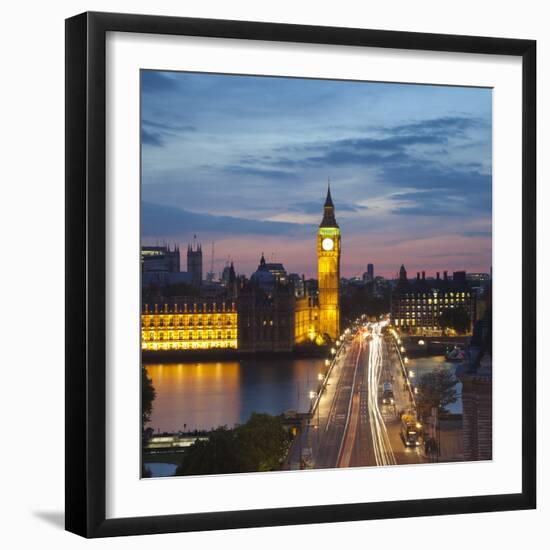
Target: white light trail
pixel 381 442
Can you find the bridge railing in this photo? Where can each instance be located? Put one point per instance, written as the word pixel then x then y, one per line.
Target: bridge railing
pixel 405 374
pixel 323 385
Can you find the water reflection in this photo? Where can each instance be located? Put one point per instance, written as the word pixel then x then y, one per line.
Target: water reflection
pixel 203 395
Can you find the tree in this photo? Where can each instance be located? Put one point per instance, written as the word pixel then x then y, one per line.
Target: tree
pixel 260 445
pixel 437 389
pixel 265 439
pixel 456 318
pixel 148 395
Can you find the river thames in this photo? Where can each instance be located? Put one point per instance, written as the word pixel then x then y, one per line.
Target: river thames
pixel 192 395
pixel 203 395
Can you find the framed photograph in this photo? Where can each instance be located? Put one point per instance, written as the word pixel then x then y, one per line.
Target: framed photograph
pixel 300 274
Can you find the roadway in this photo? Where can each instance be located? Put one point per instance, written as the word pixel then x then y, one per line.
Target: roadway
pixel 350 427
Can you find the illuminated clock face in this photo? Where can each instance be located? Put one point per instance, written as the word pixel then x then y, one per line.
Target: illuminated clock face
pixel 328 244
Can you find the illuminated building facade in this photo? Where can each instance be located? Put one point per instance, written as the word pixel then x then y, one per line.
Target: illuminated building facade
pixel 306 321
pixel 328 257
pixel 417 307
pixel 189 326
pixel 271 312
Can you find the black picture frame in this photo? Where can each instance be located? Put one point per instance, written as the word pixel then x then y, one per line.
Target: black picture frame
pixel 86 263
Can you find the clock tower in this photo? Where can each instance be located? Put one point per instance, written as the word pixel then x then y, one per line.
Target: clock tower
pixel 328 256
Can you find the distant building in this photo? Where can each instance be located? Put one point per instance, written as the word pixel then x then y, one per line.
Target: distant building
pixel 266 319
pixel 478 277
pixel 416 307
pixel 269 275
pixel 194 262
pixel 459 276
pixel 164 278
pixel 160 259
pixel 476 375
pixel 227 274
pixel 160 266
pixel 368 276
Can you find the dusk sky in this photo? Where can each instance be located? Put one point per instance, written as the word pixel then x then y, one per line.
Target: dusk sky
pixel 244 161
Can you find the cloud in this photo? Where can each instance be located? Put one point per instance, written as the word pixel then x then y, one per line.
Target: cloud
pixel 412 155
pixel 452 254
pixel 426 175
pixel 456 188
pixel 151 138
pixel 157 133
pixel 258 171
pixel 315 207
pixel 169 126
pixel 154 82
pixel 473 233
pixel 440 193
pixel 158 220
pixel 442 126
pixel 239 147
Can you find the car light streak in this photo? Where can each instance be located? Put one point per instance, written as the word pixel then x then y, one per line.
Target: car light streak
pixel 381 442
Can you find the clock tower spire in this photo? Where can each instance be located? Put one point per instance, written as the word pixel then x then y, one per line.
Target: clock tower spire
pixel 328 257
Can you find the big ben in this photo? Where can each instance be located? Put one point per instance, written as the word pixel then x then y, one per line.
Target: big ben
pixel 328 255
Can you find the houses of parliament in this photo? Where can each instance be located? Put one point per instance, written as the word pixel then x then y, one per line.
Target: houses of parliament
pixel 271 311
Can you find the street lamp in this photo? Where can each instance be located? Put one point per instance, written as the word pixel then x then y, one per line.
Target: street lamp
pixel 402 349
pixel 320 377
pixel 406 360
pixel 333 351
pixel 327 362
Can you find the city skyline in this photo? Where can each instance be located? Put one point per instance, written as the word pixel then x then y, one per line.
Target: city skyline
pixel 410 170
